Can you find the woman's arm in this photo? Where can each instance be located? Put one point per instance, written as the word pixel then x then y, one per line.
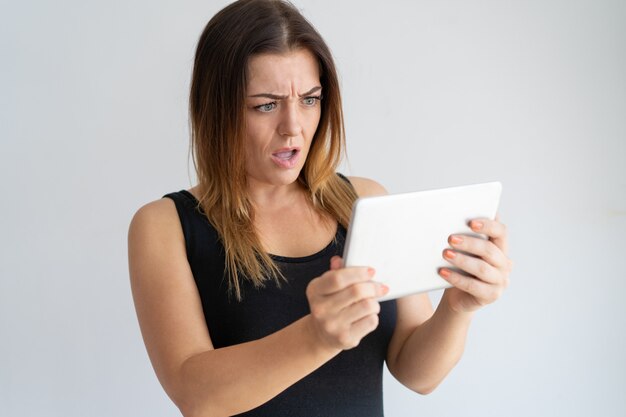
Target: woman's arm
pixel 425 346
pixel 202 380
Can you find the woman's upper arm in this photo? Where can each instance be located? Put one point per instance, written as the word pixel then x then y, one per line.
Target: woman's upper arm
pixel 413 311
pixel 166 298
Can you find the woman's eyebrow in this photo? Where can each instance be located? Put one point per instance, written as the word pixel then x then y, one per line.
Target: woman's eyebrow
pixel 275 97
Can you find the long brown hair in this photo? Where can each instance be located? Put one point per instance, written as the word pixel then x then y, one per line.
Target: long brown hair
pixel 217 104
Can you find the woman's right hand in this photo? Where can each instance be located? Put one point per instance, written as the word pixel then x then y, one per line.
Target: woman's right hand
pixel 343 304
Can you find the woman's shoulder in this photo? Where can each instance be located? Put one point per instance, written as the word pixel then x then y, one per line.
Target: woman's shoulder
pixel 155 218
pixel 163 208
pixel 366 187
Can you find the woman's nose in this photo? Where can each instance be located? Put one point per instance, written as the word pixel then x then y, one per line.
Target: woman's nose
pixel 290 121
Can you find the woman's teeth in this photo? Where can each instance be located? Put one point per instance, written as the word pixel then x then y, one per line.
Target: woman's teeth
pixel 285 155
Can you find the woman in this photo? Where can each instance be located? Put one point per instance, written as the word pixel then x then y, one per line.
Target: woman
pixel 243 303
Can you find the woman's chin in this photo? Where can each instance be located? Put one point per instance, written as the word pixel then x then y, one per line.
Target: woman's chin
pixel 286 177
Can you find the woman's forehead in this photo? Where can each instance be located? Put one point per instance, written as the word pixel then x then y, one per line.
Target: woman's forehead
pixel 280 73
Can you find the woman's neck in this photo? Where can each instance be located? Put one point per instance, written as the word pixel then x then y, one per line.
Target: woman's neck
pixel 269 196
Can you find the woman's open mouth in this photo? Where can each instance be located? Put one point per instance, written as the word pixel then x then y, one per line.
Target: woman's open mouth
pixel 286 158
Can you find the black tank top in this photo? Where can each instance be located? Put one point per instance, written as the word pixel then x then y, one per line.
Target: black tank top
pixel 350 384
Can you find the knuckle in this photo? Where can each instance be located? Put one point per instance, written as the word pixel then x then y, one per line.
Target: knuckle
pixel 490 251
pixel 372 321
pixel 483 268
pixel 376 306
pixel 365 305
pixel 357 291
pixel 371 305
pixel 335 280
pixel 345 340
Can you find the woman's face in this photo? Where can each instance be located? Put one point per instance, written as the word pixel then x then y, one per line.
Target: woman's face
pixel 282 113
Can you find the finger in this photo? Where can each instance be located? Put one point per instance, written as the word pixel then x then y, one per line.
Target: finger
pixel 475 287
pixel 336 262
pixel 477 267
pixel 364 326
pixel 357 292
pixel 485 249
pixel 336 280
pixel 356 311
pixel 494 229
pixel 350 304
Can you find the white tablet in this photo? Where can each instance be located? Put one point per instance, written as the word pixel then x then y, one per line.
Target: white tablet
pixel 402 236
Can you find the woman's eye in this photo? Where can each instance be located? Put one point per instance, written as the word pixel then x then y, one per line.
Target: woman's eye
pixel 311 101
pixel 267 107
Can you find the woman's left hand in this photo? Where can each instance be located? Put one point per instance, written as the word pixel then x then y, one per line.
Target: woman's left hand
pixel 484 262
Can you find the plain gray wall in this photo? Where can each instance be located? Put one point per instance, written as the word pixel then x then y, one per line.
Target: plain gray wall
pixel 93 124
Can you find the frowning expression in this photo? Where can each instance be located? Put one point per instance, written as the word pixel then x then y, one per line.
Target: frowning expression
pixel 282 113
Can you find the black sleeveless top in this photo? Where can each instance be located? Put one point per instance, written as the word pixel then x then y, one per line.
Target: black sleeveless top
pixel 350 384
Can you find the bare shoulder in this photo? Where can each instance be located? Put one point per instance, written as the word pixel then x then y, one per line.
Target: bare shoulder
pixel 156 217
pixel 154 226
pixel 366 187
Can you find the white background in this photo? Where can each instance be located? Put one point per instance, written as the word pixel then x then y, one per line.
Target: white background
pixel 93 124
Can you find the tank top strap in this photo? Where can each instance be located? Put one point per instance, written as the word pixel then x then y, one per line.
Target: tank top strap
pixel 198 231
pixel 183 208
pixel 343 177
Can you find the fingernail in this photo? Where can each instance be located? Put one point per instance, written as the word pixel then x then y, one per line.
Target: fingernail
pixel 384 289
pixel 371 272
pixel 476 225
pixel 448 254
pixel 455 240
pixel 444 272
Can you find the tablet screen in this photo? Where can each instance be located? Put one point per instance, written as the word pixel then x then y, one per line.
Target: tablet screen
pixel 402 236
